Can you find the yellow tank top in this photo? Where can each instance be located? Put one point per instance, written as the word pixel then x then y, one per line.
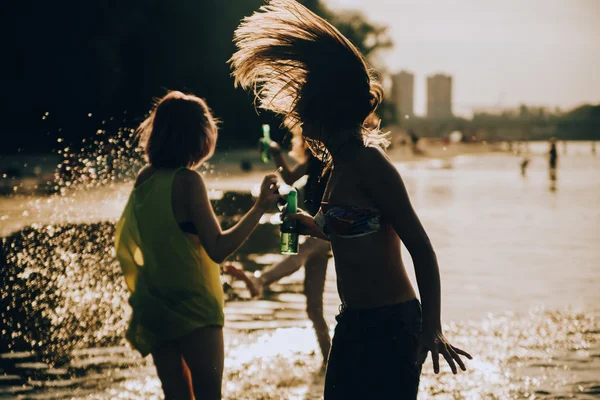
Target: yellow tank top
pixel 175 286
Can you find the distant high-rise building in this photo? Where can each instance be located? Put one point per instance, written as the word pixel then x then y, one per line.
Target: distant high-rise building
pixel 403 87
pixel 439 96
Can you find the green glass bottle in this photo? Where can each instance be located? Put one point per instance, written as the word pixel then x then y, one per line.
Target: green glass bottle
pixel 265 144
pixel 289 233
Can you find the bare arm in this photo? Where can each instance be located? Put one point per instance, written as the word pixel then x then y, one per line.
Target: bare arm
pixel 288 174
pixel 221 244
pixel 388 192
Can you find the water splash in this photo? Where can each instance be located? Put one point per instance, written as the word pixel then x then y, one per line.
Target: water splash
pixel 99 162
pixel 65 286
pixel 66 290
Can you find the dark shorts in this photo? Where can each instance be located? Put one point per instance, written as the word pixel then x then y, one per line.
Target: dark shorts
pixel 375 353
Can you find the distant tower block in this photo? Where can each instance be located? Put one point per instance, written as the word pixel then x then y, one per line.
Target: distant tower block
pixel 403 87
pixel 439 96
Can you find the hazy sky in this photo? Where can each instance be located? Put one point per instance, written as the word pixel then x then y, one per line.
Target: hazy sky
pixel 500 52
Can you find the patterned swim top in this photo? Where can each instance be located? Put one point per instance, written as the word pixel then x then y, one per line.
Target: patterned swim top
pixel 348 221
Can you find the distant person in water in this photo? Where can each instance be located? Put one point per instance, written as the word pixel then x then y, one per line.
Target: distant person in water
pixel 524 164
pixel 169 243
pixel 552 162
pixel 525 160
pixel 314 253
pixel 304 69
pixel 414 140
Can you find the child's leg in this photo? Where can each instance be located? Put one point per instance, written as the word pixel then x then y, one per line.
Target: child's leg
pixel 172 371
pixel 203 352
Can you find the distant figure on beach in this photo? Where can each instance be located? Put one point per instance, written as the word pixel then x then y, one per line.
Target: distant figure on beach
pixel 525 159
pixel 593 147
pixel 314 253
pixel 304 69
pixel 246 165
pixel 552 163
pixel 414 140
pixel 524 164
pixel 169 243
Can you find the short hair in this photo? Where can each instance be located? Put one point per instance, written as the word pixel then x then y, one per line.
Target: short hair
pixel 179 132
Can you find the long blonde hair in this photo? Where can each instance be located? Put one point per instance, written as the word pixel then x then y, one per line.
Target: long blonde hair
pixel 301 67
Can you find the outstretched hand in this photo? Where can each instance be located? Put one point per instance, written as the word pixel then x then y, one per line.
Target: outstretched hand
pixel 437 344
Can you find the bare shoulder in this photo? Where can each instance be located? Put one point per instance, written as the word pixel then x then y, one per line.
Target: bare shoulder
pixel 371 160
pixel 143 174
pixel 146 170
pixel 186 178
pixel 374 153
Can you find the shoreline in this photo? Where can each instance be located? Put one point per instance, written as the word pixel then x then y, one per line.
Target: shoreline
pixel 94 201
pixel 37 176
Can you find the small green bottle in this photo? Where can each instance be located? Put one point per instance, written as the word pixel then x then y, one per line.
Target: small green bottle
pixel 289 233
pixel 265 144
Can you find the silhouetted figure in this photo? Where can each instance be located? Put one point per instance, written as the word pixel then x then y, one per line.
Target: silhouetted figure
pixel 313 254
pixel 524 150
pixel 414 139
pixel 246 165
pixel 552 163
pixel 524 164
pixel 593 148
pixel 176 292
pixel 305 70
